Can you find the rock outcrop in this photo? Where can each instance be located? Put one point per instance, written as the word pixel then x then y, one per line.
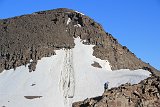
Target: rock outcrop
pixel 37 35
pixel 144 94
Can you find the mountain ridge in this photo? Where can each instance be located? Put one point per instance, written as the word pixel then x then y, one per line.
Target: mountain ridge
pixel 54 44
pixel 34 36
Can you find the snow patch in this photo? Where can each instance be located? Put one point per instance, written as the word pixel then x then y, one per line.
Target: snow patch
pixel 79 12
pixel 68 21
pixel 31 60
pixel 83 54
pixel 77 25
pixel 62 79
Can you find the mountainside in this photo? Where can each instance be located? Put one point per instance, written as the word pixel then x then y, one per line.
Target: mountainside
pixel 62 79
pixel 39 34
pixel 57 57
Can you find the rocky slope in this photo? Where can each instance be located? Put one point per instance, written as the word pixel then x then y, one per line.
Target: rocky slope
pixel 34 36
pixel 37 35
pixel 144 94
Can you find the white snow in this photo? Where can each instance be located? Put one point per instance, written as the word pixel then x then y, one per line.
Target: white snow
pixel 31 60
pixel 79 12
pixel 68 21
pixel 62 79
pixel 77 25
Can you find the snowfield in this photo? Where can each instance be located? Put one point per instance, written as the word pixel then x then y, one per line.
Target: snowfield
pixel 62 79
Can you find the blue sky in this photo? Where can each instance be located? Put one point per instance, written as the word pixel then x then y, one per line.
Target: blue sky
pixel 135 23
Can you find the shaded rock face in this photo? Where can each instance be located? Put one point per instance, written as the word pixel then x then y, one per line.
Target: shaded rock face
pixel 144 94
pixel 37 35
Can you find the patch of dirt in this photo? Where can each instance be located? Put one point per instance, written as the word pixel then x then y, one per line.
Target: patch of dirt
pixel 33 84
pixel 96 64
pixel 32 97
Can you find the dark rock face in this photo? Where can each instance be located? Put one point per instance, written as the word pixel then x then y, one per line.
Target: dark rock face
pixel 144 94
pixel 37 35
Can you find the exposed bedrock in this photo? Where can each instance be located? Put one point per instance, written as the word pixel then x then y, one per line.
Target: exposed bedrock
pixel 37 35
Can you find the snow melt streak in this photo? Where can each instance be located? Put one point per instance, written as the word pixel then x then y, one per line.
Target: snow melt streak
pixel 62 79
pixel 67 83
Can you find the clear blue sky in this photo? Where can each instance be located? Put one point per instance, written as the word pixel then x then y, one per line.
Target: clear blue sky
pixel 135 23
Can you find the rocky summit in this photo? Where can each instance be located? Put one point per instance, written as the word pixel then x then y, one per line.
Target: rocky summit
pixel 39 34
pixel 27 39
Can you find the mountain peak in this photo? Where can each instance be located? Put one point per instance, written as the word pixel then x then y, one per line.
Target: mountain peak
pixel 34 36
pixel 61 56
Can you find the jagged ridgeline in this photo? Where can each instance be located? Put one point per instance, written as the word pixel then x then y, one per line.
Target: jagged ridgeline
pixel 37 35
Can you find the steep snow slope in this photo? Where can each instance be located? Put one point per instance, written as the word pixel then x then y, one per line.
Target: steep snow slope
pixel 62 79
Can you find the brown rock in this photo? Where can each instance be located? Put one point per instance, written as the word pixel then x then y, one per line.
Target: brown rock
pixel 134 97
pixel 37 35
